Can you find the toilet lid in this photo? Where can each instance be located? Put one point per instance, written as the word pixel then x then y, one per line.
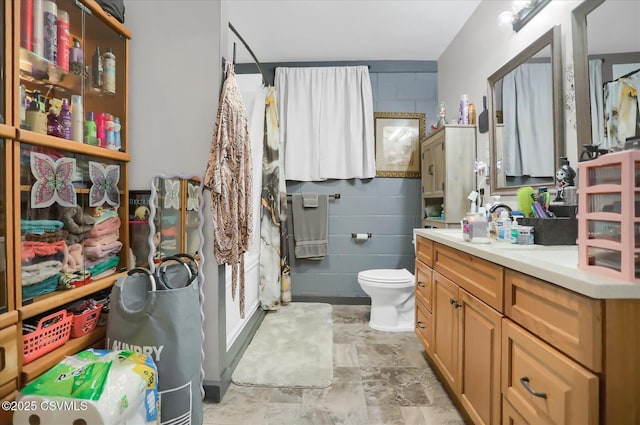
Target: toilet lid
pixel 387 275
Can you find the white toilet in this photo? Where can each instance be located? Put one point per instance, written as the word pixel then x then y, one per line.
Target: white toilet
pixel 392 298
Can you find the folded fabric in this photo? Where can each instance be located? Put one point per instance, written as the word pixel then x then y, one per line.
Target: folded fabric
pixel 103 266
pixel 106 227
pixel 168 244
pixel 31 249
pixel 169 219
pixel 44 287
pixel 58 235
pixel 102 251
pixel 39 226
pixel 309 200
pixel 101 214
pixel 74 280
pixel 104 274
pixel 37 273
pixel 102 240
pixel 58 256
pixel 171 231
pixel 310 228
pixel 74 259
pixel 75 220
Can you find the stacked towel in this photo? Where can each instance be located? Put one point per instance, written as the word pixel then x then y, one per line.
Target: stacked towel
pixel 76 222
pixel 39 227
pixel 74 259
pixel 310 226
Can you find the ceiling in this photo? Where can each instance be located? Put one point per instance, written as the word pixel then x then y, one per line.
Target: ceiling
pixel 346 30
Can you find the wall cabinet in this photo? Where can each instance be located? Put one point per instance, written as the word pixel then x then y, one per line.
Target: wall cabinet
pixel 63 187
pixel 515 349
pixel 447 158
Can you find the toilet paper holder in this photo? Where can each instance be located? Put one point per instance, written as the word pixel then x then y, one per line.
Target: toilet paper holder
pixel 361 236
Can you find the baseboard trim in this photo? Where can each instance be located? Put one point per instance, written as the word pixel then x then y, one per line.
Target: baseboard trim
pixel 332 300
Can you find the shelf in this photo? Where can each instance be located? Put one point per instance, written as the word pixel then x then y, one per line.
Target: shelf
pixel 74 345
pixel 52 142
pixel 97 10
pixel 57 298
pixel 39 71
pixel 83 190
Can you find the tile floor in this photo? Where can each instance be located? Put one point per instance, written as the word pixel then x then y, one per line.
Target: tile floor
pixel 380 378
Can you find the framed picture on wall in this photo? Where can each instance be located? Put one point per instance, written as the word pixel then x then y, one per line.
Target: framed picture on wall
pixel 397 136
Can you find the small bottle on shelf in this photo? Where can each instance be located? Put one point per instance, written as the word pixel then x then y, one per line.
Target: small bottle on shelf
pixel 64 118
pixel 76 58
pixel 50 30
pixel 90 130
pixel 54 128
pixel 77 119
pixel 109 71
pixel 36 119
pixel 97 70
pixel 63 39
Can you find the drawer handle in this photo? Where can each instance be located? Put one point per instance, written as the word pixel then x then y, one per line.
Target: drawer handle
pixel 525 383
pixel 419 325
pixel 454 303
pixel 420 284
pixel 3 362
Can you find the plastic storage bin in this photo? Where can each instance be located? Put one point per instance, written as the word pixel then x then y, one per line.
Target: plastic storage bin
pixel 609 215
pixel 52 332
pixel 86 322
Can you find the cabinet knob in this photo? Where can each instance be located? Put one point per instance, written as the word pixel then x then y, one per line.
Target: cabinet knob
pixel 420 284
pixel 525 383
pixel 419 325
pixel 454 303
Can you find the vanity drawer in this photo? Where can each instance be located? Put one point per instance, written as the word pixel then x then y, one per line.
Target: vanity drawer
pixel 566 393
pixel 8 354
pixel 570 322
pixel 479 277
pixel 424 250
pixel 424 326
pixel 423 283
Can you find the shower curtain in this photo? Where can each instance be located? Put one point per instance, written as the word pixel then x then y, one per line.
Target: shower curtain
pixel 528 121
pixel 275 278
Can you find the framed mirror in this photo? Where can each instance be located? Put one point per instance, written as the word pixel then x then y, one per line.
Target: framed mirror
pixel 175 219
pixel 607 70
pixel 526 125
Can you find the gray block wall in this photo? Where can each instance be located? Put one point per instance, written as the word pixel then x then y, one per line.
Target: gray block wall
pixel 389 208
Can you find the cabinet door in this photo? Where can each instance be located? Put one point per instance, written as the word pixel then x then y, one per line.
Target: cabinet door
pixel 480 338
pixel 427 167
pixel 510 416
pixel 446 323
pixel 6 289
pixel 440 169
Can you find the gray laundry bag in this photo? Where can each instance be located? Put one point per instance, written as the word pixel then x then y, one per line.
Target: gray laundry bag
pixel 166 324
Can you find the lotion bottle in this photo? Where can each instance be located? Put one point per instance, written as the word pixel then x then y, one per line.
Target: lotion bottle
pixel 64 118
pixel 77 119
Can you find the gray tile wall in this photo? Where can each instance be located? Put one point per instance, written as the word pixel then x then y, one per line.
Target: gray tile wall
pixel 386 207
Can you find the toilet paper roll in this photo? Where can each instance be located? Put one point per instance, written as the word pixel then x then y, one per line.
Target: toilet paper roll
pixel 362 236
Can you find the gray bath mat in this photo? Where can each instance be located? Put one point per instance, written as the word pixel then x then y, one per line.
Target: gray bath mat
pixel 292 348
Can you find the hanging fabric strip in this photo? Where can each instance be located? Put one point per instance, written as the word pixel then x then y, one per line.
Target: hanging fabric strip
pixel 228 177
pixel 275 281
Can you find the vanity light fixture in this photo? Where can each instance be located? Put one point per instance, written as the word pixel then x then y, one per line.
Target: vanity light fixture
pixel 522 11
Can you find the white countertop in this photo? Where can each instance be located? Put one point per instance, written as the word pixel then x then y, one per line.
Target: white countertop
pixel 555 264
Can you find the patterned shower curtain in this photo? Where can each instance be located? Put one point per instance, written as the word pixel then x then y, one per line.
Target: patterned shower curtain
pixel 275 278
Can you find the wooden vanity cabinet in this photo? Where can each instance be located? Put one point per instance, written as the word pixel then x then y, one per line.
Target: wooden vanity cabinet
pixel 547 355
pixel 466 334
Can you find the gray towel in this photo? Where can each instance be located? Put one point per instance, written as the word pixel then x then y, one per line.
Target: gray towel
pixel 310 227
pixel 310 200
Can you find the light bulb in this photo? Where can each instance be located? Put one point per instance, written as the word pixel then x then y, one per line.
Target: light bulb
pixel 505 18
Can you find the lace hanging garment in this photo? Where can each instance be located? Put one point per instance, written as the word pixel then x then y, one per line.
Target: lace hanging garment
pixel 228 177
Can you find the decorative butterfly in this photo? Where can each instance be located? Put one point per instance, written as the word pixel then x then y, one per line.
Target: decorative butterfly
pixel 172 194
pixel 192 197
pixel 105 180
pixel 53 181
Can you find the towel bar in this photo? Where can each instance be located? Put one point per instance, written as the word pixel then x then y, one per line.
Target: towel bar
pixel 334 196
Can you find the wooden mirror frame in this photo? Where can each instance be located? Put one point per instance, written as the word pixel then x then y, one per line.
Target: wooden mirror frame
pixel 551 38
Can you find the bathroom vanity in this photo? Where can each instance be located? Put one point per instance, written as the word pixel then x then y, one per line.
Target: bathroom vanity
pixel 520 335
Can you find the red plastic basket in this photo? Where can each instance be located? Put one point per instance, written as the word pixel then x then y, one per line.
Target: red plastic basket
pixel 86 322
pixel 52 332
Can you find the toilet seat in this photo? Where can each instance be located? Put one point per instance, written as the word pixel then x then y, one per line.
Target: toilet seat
pixel 398 278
